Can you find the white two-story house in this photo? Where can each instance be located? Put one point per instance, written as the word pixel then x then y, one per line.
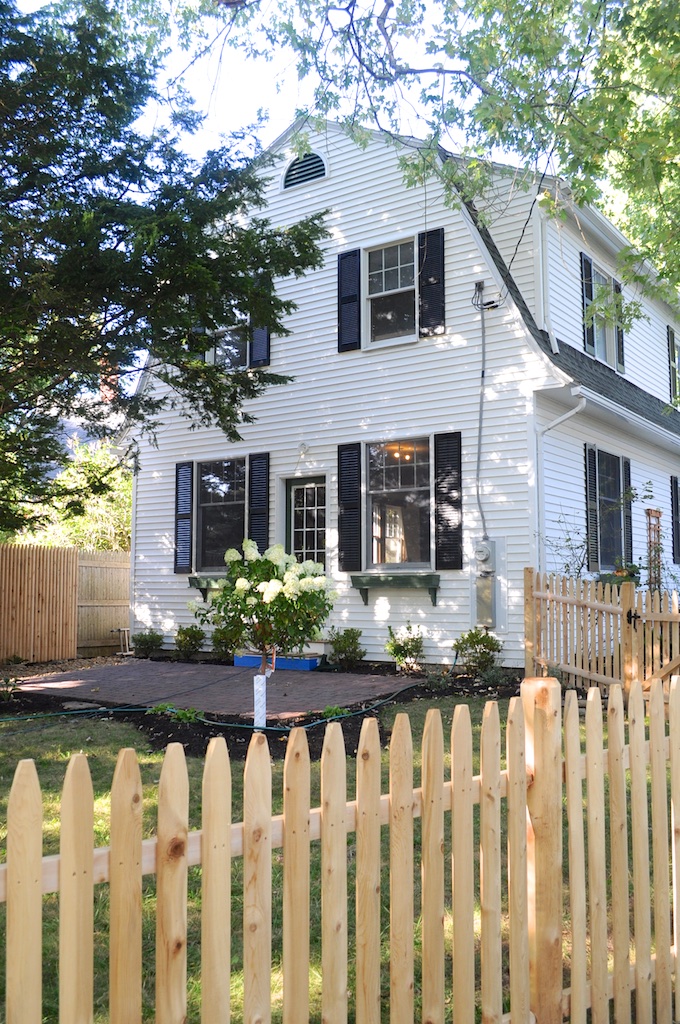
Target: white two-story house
pixel 453 415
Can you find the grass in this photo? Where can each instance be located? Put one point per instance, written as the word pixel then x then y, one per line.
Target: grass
pixel 51 742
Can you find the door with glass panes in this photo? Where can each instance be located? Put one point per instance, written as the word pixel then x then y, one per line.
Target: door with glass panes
pixel 307 519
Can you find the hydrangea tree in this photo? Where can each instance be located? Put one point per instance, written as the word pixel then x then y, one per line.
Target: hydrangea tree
pixel 269 602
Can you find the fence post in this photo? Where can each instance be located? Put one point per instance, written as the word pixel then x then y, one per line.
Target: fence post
pixel 542 703
pixel 529 622
pixel 629 647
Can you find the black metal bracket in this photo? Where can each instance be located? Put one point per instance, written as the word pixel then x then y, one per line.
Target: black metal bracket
pixel 632 618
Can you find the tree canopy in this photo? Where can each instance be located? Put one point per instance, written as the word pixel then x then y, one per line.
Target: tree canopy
pixel 103 521
pixel 583 88
pixel 116 247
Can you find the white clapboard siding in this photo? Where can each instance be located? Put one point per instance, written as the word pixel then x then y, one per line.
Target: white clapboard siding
pixel 401 390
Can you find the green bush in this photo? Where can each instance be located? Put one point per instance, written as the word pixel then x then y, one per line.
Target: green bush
pixel 346 651
pixel 477 650
pixel 226 640
pixel 146 643
pixel 188 641
pixel 406 646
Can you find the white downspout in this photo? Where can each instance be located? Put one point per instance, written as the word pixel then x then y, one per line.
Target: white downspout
pixel 540 433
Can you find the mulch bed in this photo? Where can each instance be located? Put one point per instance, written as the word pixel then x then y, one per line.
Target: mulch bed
pixel 159 729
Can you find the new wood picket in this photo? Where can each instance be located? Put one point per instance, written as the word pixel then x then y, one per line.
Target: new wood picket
pixel 171 888
pixel 216 885
pixel 257 882
pixel 462 863
pixel 368 866
pixel 490 865
pixel 76 895
pixel 401 873
pixel 334 877
pixel 296 862
pixel 125 892
pixel 618 842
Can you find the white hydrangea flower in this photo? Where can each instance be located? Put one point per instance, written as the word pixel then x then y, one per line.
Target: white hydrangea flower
pixel 250 552
pixel 242 585
pixel 232 555
pixel 311 568
pixel 291 587
pixel 251 601
pixel 293 572
pixel 271 589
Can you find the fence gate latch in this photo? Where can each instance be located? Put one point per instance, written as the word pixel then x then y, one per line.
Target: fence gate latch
pixel 632 617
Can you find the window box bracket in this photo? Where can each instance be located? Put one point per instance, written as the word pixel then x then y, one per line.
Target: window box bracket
pixel 397 581
pixel 205 584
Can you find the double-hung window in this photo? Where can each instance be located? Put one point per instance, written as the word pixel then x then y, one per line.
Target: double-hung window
pixel 608 510
pixel 392 292
pixel 407 492
pixel 673 362
pixel 217 504
pixel 221 510
pixel 239 348
pixel 602 335
pixel 230 350
pixel 399 502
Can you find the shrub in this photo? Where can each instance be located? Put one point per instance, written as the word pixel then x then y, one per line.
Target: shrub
pixel 8 688
pixel 146 643
pixel 188 641
pixel 406 646
pixel 270 602
pixel 345 649
pixel 226 640
pixel 477 649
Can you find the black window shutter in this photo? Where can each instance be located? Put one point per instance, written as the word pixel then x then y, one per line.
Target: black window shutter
pixel 675 519
pixel 627 514
pixel 432 317
pixel 349 507
pixel 587 295
pixel 592 517
pixel 349 301
pixel 672 362
pixel 258 500
pixel 448 501
pixel 184 499
pixel 620 362
pixel 259 347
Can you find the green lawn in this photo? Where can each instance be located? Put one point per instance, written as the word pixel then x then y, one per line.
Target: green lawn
pixel 51 742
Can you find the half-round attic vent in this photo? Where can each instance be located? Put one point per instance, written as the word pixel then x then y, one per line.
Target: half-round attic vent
pixel 304 168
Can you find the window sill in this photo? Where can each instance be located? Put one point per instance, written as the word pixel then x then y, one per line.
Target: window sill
pixel 204 583
pixel 397 581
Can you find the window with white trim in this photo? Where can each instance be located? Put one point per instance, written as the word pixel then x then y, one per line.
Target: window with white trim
pixel 392 292
pixel 217 504
pixel 230 350
pixel 608 510
pixel 407 492
pixel 399 502
pixel 221 509
pixel 673 362
pixel 602 335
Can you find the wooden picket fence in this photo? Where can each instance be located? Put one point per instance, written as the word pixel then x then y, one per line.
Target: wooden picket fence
pixel 595 634
pixel 56 603
pixel 488 929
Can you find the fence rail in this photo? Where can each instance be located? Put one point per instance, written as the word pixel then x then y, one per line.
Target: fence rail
pixel 494 909
pixel 56 603
pixel 595 634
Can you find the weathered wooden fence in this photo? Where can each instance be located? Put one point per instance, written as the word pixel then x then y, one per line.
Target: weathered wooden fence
pixel 58 602
pixel 596 634
pixel 492 929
